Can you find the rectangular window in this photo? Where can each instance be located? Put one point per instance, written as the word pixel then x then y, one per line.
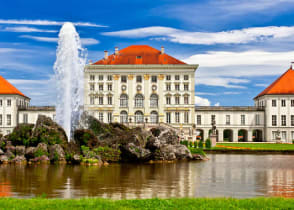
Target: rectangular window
pixel 100 100
pixel 257 119
pixel 1 102
pixel 109 87
pixel 100 117
pixel 1 119
pixel 292 103
pixel 274 120
pixel 213 118
pixel 167 99
pixel 109 77
pixel 177 116
pixel 92 100
pixel 198 119
pixel 154 79
pixel 283 120
pixel 177 100
pixel 274 103
pixel 168 87
pixel 9 102
pixel 228 119
pixel 100 87
pixel 25 118
pixel 186 87
pixel 92 77
pixel 139 79
pixel 177 77
pixel 123 79
pixel 186 77
pixel 242 119
pixel 186 117
pixel 109 100
pixel 92 87
pixel 283 103
pixel 109 117
pixel 168 77
pixel 177 87
pixel 8 119
pixel 168 118
pixel 186 100
pixel 100 77
pixel 292 121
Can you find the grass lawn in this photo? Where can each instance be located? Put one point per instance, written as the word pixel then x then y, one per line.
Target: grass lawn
pixel 158 204
pixel 253 146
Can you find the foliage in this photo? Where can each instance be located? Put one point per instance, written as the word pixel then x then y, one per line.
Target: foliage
pixel 198 151
pixel 200 144
pixel 21 135
pixel 195 144
pixel 155 203
pixel 208 144
pixel 191 144
pixel 47 136
pixel 255 146
pixel 292 141
pixel 85 138
pixel 39 152
pixel 155 132
pixel 108 153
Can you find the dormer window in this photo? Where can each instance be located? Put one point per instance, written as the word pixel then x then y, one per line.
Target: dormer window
pixel 138 56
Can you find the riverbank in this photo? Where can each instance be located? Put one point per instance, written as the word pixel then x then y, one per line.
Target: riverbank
pixel 185 203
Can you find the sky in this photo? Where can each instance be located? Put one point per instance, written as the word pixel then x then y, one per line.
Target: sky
pixel 241 46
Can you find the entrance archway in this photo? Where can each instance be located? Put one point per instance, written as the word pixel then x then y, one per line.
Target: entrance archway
pixel 257 135
pixel 199 134
pixel 228 135
pixel 242 135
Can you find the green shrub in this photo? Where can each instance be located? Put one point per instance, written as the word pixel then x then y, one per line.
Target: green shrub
pixel 195 144
pixel 191 144
pixel 208 143
pixel 21 135
pixel 292 141
pixel 40 152
pixel 200 144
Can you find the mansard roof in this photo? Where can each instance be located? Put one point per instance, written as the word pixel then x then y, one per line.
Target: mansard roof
pixel 8 89
pixel 284 85
pixel 138 54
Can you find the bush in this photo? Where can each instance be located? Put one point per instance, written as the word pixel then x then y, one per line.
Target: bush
pixel 155 132
pixel 85 138
pixel 191 144
pixel 195 144
pixel 292 141
pixel 21 135
pixel 40 153
pixel 208 144
pixel 200 144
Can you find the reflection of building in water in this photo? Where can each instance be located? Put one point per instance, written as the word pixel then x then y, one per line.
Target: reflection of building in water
pixel 5 189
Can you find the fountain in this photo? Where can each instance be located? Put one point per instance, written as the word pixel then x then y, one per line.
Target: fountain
pixel 69 75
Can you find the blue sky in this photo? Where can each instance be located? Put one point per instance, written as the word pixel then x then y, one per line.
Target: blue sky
pixel 241 46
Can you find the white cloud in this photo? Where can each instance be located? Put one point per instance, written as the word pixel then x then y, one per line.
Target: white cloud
pixel 262 85
pixel 46 23
pixel 242 36
pixel 85 41
pixel 199 101
pixel 26 29
pixel 217 104
pixel 221 82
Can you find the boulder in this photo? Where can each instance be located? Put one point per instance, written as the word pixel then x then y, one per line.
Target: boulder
pixel 134 153
pixel 19 159
pixel 182 152
pixel 48 131
pixel 56 153
pixel 10 152
pixel 76 159
pixel 20 150
pixel 1 152
pixel 30 152
pixel 41 159
pixel 3 159
pixel 42 148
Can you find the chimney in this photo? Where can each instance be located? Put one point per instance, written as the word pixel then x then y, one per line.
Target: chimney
pixel 90 61
pixel 116 50
pixel 292 65
pixel 162 50
pixel 105 54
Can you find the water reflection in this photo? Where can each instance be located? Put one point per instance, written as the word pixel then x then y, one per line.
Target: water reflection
pixel 222 175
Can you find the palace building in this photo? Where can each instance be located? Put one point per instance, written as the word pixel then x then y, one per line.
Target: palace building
pixel 142 86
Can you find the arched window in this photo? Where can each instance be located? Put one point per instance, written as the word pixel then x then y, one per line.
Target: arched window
pixel 139 117
pixel 139 100
pixel 153 100
pixel 123 117
pixel 123 100
pixel 154 117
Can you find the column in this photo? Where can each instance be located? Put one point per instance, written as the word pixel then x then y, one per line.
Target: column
pixel 235 135
pixel 249 137
pixel 116 96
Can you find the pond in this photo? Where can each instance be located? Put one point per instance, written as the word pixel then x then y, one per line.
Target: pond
pixel 222 176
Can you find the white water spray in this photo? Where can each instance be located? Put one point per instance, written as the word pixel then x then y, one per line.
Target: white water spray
pixel 69 73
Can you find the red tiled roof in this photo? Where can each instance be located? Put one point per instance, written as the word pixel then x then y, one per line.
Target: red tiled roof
pixel 282 86
pixel 139 54
pixel 8 88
